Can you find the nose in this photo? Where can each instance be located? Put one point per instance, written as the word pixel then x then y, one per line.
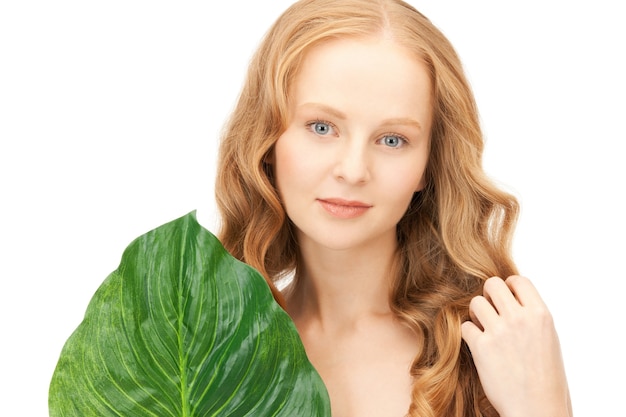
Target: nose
pixel 352 165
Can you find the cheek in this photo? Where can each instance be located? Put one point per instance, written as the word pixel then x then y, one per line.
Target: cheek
pixel 401 181
pixel 421 183
pixel 290 164
pixel 404 191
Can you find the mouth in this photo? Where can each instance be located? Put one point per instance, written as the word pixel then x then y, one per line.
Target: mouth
pixel 344 209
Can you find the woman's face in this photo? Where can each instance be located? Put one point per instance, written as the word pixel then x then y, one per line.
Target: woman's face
pixel 357 142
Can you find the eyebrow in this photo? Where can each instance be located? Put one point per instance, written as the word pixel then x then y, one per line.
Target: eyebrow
pixel 342 116
pixel 326 109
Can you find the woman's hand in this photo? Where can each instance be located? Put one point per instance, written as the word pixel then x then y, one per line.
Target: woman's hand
pixel 516 350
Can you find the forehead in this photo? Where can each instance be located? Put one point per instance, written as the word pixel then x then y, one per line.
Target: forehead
pixel 372 74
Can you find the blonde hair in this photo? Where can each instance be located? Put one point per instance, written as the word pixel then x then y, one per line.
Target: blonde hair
pixel 457 230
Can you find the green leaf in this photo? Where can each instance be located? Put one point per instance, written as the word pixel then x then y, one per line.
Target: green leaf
pixel 182 329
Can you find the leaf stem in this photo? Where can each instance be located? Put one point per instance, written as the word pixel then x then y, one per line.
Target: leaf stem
pixel 182 358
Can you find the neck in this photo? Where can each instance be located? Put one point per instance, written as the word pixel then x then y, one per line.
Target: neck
pixel 342 287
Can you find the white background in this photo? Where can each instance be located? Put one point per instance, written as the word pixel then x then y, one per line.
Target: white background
pixel 110 113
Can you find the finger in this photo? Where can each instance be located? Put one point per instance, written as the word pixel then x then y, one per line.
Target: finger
pixel 500 295
pixel 524 291
pixel 470 333
pixel 482 313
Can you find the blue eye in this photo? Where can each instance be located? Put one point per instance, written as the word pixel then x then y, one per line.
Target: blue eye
pixel 321 128
pixel 392 141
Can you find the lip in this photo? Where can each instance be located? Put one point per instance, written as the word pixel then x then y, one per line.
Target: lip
pixel 344 209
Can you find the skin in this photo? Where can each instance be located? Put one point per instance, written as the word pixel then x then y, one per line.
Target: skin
pixel 340 305
pixel 359 130
pixel 512 330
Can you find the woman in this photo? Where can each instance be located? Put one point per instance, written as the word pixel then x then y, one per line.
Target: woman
pixel 351 170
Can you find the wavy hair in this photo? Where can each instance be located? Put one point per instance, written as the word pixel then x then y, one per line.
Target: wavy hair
pixel 456 232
